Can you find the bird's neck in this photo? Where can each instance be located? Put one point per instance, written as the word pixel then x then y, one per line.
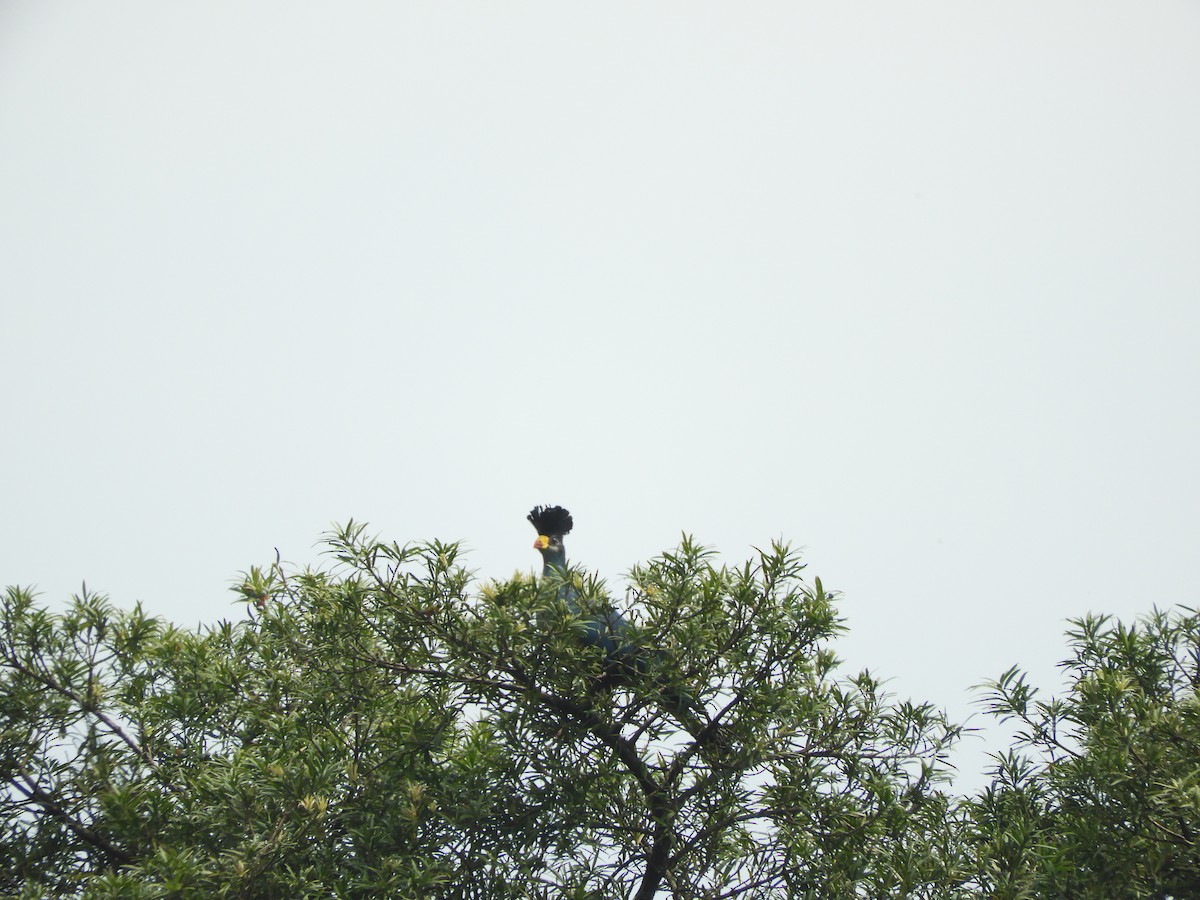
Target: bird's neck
pixel 554 561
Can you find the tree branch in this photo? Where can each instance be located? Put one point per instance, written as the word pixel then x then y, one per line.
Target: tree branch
pixel 35 794
pixel 92 708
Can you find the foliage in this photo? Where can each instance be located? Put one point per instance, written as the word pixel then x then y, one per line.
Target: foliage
pixel 389 728
pixel 1101 796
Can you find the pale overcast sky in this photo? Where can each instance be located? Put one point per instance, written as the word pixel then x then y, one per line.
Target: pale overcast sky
pixel 915 286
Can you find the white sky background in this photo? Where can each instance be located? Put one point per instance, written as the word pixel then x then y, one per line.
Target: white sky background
pixel 916 286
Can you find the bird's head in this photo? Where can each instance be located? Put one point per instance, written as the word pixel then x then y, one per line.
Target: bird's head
pixel 552 524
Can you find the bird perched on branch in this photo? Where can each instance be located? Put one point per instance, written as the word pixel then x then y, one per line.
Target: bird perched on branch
pixel 605 630
pixel 608 629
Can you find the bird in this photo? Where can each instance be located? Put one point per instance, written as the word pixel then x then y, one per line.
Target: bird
pixel 608 631
pixel 605 630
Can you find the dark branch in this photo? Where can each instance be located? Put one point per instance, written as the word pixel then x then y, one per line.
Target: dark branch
pixel 35 794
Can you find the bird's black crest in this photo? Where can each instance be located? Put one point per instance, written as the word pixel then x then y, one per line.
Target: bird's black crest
pixel 551 520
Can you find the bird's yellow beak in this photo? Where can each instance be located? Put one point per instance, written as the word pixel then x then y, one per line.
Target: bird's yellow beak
pixel 541 543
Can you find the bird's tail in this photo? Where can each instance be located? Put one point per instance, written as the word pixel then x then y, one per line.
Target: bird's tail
pixel 714 740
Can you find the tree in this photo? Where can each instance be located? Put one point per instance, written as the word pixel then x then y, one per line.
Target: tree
pixel 387 727
pixel 1101 796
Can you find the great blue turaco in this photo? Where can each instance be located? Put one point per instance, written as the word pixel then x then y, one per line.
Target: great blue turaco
pixel 625 661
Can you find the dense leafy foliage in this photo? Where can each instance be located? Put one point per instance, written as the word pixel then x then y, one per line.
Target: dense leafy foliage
pixel 387 727
pixel 1101 796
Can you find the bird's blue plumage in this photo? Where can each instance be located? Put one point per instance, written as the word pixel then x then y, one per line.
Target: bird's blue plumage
pixel 604 630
